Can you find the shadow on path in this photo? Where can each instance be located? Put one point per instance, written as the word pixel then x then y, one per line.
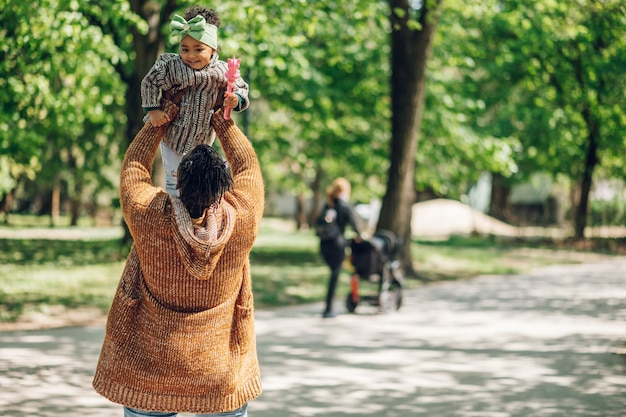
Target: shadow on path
pixel 539 344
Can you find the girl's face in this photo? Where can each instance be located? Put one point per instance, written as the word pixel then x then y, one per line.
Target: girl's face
pixel 194 53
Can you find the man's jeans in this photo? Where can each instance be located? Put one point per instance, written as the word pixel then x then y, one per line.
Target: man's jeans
pixel 130 412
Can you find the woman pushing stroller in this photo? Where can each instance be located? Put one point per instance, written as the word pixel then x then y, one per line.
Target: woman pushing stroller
pixel 337 214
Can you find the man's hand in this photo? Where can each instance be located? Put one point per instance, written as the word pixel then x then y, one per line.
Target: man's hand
pixel 158 117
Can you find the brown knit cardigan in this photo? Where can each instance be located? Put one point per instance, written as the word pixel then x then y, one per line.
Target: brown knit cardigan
pixel 180 331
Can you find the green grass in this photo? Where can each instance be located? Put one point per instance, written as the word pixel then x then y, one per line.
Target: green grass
pixel 34 274
pixel 461 257
pixel 34 288
pixel 60 253
pixel 31 221
pixel 286 268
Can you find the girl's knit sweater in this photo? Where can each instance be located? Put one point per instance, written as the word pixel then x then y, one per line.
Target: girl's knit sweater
pixel 202 89
pixel 180 332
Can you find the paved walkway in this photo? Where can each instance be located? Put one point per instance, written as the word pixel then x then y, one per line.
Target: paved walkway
pixel 541 344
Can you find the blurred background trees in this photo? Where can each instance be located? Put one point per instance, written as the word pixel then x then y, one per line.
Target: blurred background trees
pixel 548 74
pixel 512 89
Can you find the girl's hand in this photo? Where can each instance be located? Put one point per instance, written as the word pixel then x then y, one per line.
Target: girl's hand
pixel 231 100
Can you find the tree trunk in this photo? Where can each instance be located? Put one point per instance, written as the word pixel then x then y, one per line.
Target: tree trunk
pixel 301 219
pixel 7 202
pixel 592 121
pixel 591 160
pixel 55 201
pixel 75 195
pixel 146 48
pixel 410 48
pixel 319 196
pixel 499 204
pixel 76 204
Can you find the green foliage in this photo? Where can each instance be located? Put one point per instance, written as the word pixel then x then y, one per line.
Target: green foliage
pixel 513 87
pixel 61 97
pixel 320 95
pixel 541 73
pixel 607 212
pixel 452 153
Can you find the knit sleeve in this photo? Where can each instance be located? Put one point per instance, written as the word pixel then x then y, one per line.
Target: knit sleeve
pixel 242 89
pixel 136 189
pixel 247 177
pixel 160 78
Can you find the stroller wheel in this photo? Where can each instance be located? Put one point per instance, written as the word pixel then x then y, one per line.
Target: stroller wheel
pixel 351 303
pixel 390 300
pixel 399 298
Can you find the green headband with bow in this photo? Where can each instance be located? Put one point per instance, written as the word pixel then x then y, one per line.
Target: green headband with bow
pixel 197 28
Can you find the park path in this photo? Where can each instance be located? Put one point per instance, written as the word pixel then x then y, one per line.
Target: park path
pixel 544 343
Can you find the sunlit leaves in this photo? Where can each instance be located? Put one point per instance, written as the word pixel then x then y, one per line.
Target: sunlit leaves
pixel 537 65
pixel 321 70
pixel 60 87
pixel 502 85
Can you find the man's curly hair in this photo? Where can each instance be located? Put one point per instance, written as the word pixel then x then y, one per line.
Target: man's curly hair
pixel 203 178
pixel 209 15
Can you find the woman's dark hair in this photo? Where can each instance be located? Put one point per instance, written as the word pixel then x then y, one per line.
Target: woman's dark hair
pixel 203 178
pixel 209 15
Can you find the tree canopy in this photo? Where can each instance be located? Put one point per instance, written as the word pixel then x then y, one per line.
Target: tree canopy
pixel 511 88
pixel 549 75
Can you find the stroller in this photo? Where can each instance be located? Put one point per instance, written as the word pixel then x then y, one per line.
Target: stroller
pixel 375 260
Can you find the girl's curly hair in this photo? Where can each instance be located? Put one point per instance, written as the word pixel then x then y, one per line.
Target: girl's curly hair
pixel 209 15
pixel 203 178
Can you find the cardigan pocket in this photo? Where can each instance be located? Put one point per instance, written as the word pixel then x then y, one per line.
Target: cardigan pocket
pixel 244 328
pixel 121 317
pixel 244 314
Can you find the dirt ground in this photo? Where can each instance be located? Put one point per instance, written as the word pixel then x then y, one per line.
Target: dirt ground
pixel 57 316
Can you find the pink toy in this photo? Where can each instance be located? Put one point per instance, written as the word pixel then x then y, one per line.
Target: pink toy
pixel 232 74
